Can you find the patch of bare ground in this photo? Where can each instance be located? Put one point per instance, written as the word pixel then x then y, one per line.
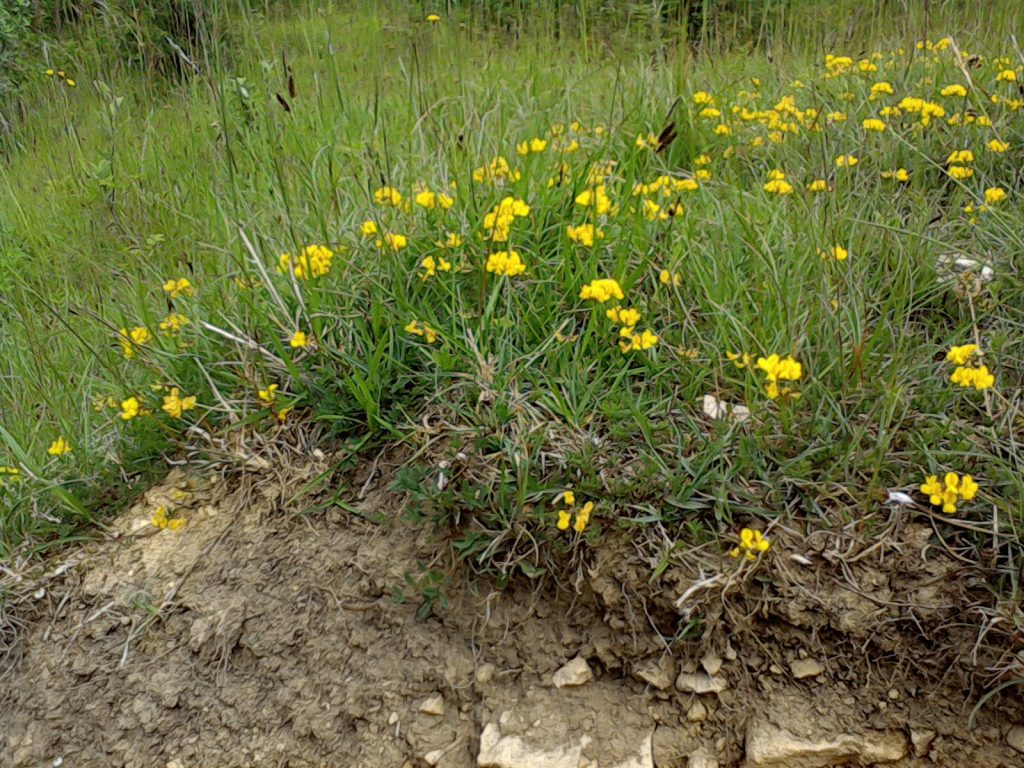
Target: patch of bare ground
pixel 265 634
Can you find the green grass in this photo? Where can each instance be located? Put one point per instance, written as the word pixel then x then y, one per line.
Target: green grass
pixel 114 186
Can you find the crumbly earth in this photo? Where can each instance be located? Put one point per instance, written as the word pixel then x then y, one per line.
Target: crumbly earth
pixel 267 632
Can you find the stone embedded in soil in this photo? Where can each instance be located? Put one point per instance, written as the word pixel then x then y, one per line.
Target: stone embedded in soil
pixel 769 746
pixel 701 759
pixel 512 751
pixel 433 705
pixel 485 673
pixel 1015 737
pixel 712 664
pixel 700 683
pixel 577 672
pixel 658 673
pixel 921 740
pixel 804 668
pixel 697 713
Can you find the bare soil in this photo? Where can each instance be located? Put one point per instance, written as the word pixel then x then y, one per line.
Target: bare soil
pixel 262 634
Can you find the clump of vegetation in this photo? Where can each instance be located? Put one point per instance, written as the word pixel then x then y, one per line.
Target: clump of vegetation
pixel 604 297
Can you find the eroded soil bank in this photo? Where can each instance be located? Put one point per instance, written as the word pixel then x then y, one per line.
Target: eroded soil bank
pixel 258 635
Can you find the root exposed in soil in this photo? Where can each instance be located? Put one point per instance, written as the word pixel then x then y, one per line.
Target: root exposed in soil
pixel 261 635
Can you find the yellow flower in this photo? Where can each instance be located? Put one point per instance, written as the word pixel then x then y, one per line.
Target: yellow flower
pixel 50 72
pixel 430 200
pixel 173 323
pixel 368 228
pixel 703 98
pixel 752 543
pixel 637 342
pixel 179 287
pixel 960 156
pixel 59 447
pixel 175 405
pixel 900 174
pixel 131 408
pixel 597 198
pixel 313 261
pixel 132 339
pixel 954 90
pixel 995 195
pixel 393 241
pixel 433 18
pixel 818 185
pixel 564 518
pixel 963 354
pixel 873 125
pixel 997 146
pixel 622 316
pixel 960 172
pixel 388 196
pixel 432 266
pixel 602 290
pixel 1007 76
pixel 584 234
pixel 298 340
pixel 778 187
pixel 744 360
pixel 499 220
pixel 583 517
pixel 422 329
pixel 846 161
pixel 505 263
pixel 497 172
pixel 453 240
pixel 778 369
pixel 836 252
pixel 949 490
pixel 268 395
pixel 569 498
pixel 665 278
pixel 70 83
pixel 979 378
pixel 162 521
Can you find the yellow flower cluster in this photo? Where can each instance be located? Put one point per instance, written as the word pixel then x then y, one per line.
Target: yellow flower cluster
pixel 431 200
pixel 836 252
pixel 535 145
pixel 505 263
pixel 498 222
pixel 498 171
pixel 179 287
pixel 777 184
pixel 164 522
pixel 432 266
pixel 313 261
pixel 585 234
pixel 173 323
pixel 969 372
pixel 752 543
pixel 582 515
pixel 597 198
pixel 59 447
pixel 778 369
pixel 388 196
pixel 393 241
pixel 175 405
pixel 133 339
pixel 602 290
pixel 422 329
pixel 949 491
